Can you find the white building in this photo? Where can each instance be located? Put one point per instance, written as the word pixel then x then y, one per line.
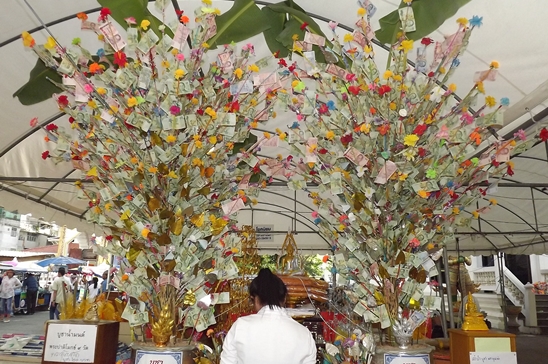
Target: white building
pixel 9 230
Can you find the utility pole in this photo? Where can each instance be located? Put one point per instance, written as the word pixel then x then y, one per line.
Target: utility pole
pixel 61 246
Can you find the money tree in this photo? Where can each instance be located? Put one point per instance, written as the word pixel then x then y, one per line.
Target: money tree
pixel 164 138
pixel 390 159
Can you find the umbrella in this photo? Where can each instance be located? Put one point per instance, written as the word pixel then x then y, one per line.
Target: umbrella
pixel 59 261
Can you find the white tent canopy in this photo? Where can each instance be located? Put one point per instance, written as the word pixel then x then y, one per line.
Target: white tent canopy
pixel 511 34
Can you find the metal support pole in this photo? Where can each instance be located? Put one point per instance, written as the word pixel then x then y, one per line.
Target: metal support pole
pixel 500 256
pixel 448 290
pixel 460 281
pixel 443 312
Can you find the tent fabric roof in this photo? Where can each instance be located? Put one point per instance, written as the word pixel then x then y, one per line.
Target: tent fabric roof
pixel 511 34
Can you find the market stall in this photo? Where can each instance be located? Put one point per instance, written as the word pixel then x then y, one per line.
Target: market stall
pixel 19 300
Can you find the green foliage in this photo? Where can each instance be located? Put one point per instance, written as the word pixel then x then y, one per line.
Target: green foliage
pixel 38 88
pixel 44 82
pixel 429 16
pixel 270 262
pixel 276 22
pixel 241 22
pixel 297 18
pixel 313 264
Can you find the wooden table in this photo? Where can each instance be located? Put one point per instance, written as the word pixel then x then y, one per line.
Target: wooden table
pixel 463 343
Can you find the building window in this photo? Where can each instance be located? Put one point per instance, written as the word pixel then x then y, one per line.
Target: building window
pixel 13 232
pixel 487 261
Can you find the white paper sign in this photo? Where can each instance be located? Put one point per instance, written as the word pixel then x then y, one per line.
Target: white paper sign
pixel 499 358
pixel 262 232
pixel 70 343
pixel 407 359
pixel 158 357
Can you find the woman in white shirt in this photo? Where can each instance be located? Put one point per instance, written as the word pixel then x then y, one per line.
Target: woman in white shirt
pixel 7 292
pixel 270 336
pixel 93 288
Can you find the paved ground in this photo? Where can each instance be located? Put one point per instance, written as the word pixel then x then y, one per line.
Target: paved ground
pixel 23 324
pixel 531 348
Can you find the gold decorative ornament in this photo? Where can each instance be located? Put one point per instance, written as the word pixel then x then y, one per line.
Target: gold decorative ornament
pixel 300 288
pixel 473 320
pixel 163 315
pixel 162 326
pixel 92 315
pixel 288 260
pixel 459 278
pixel 189 298
pixel 248 263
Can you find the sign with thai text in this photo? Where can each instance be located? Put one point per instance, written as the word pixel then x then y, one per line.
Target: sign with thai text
pixel 493 358
pixel 69 343
pixel 158 357
pixel 406 359
pixel 262 232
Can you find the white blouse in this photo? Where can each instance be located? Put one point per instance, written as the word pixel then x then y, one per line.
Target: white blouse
pixel 7 288
pixel 270 336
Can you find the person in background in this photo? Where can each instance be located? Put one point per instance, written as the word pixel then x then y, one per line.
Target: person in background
pixel 59 289
pixel 93 288
pixel 31 285
pixel 270 336
pixel 7 291
pixel 104 283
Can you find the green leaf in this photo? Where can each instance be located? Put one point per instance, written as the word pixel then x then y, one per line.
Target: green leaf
pixel 38 88
pixel 429 16
pixel 276 22
pixel 297 18
pixel 291 28
pixel 121 9
pixel 241 22
pixel 248 142
pixel 286 38
pixel 299 15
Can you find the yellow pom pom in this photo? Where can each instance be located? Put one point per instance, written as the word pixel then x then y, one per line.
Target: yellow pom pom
pixel 238 73
pixel 462 21
pixel 145 24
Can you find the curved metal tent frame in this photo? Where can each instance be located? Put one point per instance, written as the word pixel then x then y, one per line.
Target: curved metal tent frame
pixel 516 225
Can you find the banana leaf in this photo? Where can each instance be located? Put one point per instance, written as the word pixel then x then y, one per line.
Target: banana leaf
pixel 277 22
pixel 286 37
pixel 429 16
pixel 297 18
pixel 38 88
pixel 241 22
pixel 299 15
pixel 42 82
